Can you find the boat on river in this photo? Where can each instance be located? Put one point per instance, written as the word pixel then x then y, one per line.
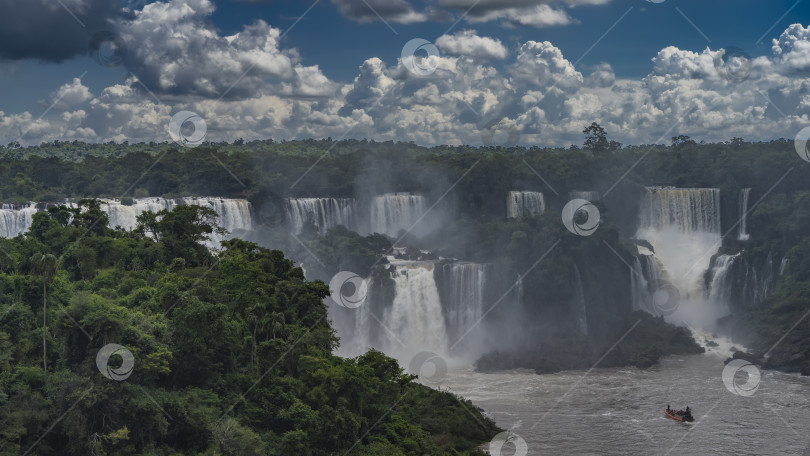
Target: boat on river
pixel 684 416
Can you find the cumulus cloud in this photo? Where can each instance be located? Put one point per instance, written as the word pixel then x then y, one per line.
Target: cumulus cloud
pixel 470 44
pixel 174 50
pixel 52 31
pixel 535 13
pixel 477 80
pixel 399 11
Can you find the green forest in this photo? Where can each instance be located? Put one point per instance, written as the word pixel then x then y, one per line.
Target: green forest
pixel 232 352
pixel 233 349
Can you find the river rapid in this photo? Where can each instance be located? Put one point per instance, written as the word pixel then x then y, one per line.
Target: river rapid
pixel 621 410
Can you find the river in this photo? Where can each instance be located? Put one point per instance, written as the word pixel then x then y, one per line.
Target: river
pixel 621 410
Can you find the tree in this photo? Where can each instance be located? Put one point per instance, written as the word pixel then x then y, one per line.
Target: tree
pixel 44 266
pixel 596 139
pixel 682 140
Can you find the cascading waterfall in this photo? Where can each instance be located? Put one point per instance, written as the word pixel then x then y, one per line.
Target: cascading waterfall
pixel 588 195
pixel 393 212
pixel 646 273
pixel 462 291
pixel 744 236
pixel 324 212
pixel 232 214
pixel 578 304
pixel 415 318
pixel 519 204
pixel 16 220
pixel 683 227
pixel 721 280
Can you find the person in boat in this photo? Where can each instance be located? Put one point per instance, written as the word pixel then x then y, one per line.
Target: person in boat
pixel 668 408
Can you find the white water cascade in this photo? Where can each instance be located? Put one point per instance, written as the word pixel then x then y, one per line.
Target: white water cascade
pixel 683 226
pixel 324 212
pixel 462 289
pixel 588 195
pixel 232 214
pixel 720 287
pixel 519 204
pixel 16 220
pixel 393 212
pixel 415 318
pixel 646 273
pixel 744 236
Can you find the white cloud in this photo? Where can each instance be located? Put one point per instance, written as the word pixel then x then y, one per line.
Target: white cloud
pixel 470 44
pixel 477 80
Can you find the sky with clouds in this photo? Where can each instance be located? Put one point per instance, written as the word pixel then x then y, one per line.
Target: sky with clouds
pixel 428 71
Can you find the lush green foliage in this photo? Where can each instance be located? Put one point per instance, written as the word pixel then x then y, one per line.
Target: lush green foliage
pixel 232 352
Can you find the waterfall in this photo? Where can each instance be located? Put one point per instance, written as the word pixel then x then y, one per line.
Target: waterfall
pixel 744 236
pixel 462 291
pixel 232 214
pixel 16 220
pixel 645 274
pixel 578 304
pixel 519 204
pixel 324 212
pixel 782 265
pixel 393 212
pixel 588 195
pixel 415 318
pixel 683 227
pixel 721 279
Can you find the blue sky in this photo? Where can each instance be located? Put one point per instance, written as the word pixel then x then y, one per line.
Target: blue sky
pixel 338 36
